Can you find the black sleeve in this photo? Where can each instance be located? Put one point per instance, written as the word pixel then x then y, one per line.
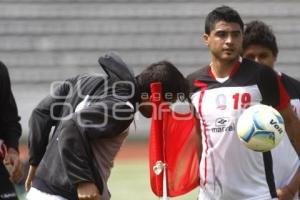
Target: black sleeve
pixel 98 120
pixel 42 119
pixel 10 127
pixel 194 78
pixel 272 90
pixel 291 85
pixel 191 80
pixel 76 156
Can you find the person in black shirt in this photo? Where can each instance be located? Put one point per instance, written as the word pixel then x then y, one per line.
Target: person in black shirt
pixel 91 115
pixel 10 132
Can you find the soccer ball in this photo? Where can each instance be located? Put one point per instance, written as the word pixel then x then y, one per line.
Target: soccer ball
pixel 260 128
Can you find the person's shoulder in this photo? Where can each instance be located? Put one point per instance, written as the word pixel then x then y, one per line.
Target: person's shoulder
pixel 251 67
pixel 198 73
pixel 288 78
pixel 249 64
pixel 291 84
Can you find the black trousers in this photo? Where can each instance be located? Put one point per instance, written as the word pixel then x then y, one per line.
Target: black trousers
pixel 7 190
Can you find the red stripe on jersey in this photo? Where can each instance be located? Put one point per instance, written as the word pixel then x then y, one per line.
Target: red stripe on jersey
pixel 284 98
pixel 200 84
pixel 211 73
pixel 203 86
pixel 234 69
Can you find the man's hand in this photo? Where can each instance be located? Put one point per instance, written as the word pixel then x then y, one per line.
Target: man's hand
pixel 88 191
pixel 285 193
pixel 30 177
pixel 13 164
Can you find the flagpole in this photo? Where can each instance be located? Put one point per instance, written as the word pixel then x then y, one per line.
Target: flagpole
pixel 165 186
pixel 160 165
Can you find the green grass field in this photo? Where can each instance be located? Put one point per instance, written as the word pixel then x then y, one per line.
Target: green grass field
pixel 130 181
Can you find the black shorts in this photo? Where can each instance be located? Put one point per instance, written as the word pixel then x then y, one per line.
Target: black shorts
pixel 7 190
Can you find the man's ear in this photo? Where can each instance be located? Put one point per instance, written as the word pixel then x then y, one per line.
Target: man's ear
pixel 205 38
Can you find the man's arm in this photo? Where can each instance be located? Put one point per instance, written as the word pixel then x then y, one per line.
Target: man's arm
pixel 104 120
pixel 77 159
pixel 30 177
pixel 292 126
pixel 40 124
pixel 289 191
pixel 41 121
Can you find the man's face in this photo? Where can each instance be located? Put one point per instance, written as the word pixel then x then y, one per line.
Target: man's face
pixel 225 41
pixel 260 54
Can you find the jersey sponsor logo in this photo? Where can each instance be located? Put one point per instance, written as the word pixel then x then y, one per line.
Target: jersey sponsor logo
pixel 221 102
pixel 223 129
pixel 223 124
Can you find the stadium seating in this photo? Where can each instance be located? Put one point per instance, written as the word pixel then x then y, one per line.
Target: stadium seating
pixel 43 41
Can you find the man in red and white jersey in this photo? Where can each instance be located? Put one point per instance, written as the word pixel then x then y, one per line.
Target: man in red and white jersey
pixel 221 92
pixel 260 45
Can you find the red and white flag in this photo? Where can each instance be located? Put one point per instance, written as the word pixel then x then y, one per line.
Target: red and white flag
pixel 174 144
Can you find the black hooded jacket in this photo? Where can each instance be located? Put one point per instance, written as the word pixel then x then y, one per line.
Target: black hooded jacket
pixel 67 159
pixel 10 128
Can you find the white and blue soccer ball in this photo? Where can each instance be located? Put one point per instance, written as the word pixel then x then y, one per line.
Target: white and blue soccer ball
pixel 260 128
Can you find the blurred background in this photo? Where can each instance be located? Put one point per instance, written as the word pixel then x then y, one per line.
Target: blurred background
pixel 42 41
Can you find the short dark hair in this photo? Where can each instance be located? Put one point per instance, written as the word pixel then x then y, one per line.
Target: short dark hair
pixel 258 33
pixel 172 80
pixel 223 13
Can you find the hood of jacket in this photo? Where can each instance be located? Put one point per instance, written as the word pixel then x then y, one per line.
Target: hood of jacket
pixel 113 65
